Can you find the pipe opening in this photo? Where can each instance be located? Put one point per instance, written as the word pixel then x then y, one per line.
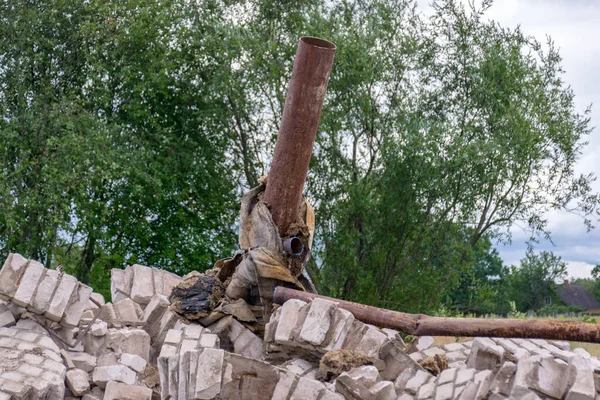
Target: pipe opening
pixel 313 41
pixel 293 246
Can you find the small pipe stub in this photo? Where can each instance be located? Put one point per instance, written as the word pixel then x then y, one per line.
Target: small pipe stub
pixel 293 246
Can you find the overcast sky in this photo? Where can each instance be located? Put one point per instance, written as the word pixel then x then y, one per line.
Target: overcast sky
pixel 574 25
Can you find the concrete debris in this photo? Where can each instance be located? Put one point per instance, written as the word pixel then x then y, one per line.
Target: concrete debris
pixel 140 349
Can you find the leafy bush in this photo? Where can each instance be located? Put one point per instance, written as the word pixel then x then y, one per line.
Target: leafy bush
pixel 558 309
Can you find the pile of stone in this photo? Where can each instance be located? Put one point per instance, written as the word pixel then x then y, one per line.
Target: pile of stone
pixel 59 340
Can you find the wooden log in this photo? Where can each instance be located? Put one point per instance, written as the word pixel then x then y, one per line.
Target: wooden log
pixel 422 325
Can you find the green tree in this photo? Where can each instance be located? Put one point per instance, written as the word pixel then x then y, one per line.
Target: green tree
pixel 486 134
pixel 478 287
pixel 110 146
pixel 534 279
pixel 595 287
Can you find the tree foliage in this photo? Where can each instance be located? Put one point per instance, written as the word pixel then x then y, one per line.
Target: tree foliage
pixel 534 280
pixel 109 136
pixel 487 137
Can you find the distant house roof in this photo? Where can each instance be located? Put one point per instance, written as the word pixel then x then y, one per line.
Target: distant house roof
pixel 577 295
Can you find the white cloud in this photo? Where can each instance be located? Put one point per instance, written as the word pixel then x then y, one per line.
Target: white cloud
pixel 577 269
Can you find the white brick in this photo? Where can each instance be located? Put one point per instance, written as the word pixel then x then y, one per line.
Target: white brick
pixel 193 331
pixel 433 351
pixel 290 321
pixel 508 345
pixel 82 360
pixel 127 310
pixel 502 380
pixel 132 341
pixel 307 389
pixel 485 354
pixel 342 323
pixel 99 328
pixel 77 381
pixel 208 383
pixel 413 385
pixel 464 376
pixel 424 342
pixel 444 392
pixel 248 345
pixel 469 392
pixel 453 347
pixel 77 304
pixel 209 340
pixel 33 273
pixel 174 336
pixel 580 351
pixel 169 282
pixel 426 391
pixel 583 387
pixel 446 376
pixel 142 288
pixel 159 329
pixel 284 385
pixel 405 396
pixel 383 390
pixel 187 353
pixel 484 380
pixel 119 373
pixel 456 356
pixel 45 290
pixel 551 378
pixel 119 288
pixel 318 321
pixel 529 346
pixel 155 309
pixel 524 376
pixel 61 297
pixel 13 268
pixel 167 353
pixel 371 342
pixel 120 391
pixel 367 375
pixel 6 317
pixel 133 361
pixel 566 346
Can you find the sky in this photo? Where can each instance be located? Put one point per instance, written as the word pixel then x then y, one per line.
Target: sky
pixel 574 26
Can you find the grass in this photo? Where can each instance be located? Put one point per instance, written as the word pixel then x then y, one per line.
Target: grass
pixel 592 348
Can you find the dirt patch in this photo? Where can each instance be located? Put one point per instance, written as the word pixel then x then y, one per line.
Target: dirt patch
pixel 435 364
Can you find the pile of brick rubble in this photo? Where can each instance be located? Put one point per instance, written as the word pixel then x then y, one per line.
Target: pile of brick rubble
pixel 59 340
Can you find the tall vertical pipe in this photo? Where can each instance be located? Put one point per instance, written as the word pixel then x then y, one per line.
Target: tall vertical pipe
pixel 298 129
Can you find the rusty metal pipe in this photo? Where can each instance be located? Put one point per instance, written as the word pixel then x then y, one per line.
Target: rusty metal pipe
pixel 293 246
pixel 298 129
pixel 420 325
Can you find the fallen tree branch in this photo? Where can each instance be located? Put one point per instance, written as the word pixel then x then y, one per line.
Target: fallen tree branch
pixel 421 325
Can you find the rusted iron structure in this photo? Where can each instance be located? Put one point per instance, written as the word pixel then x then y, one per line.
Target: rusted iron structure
pixel 421 325
pixel 298 129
